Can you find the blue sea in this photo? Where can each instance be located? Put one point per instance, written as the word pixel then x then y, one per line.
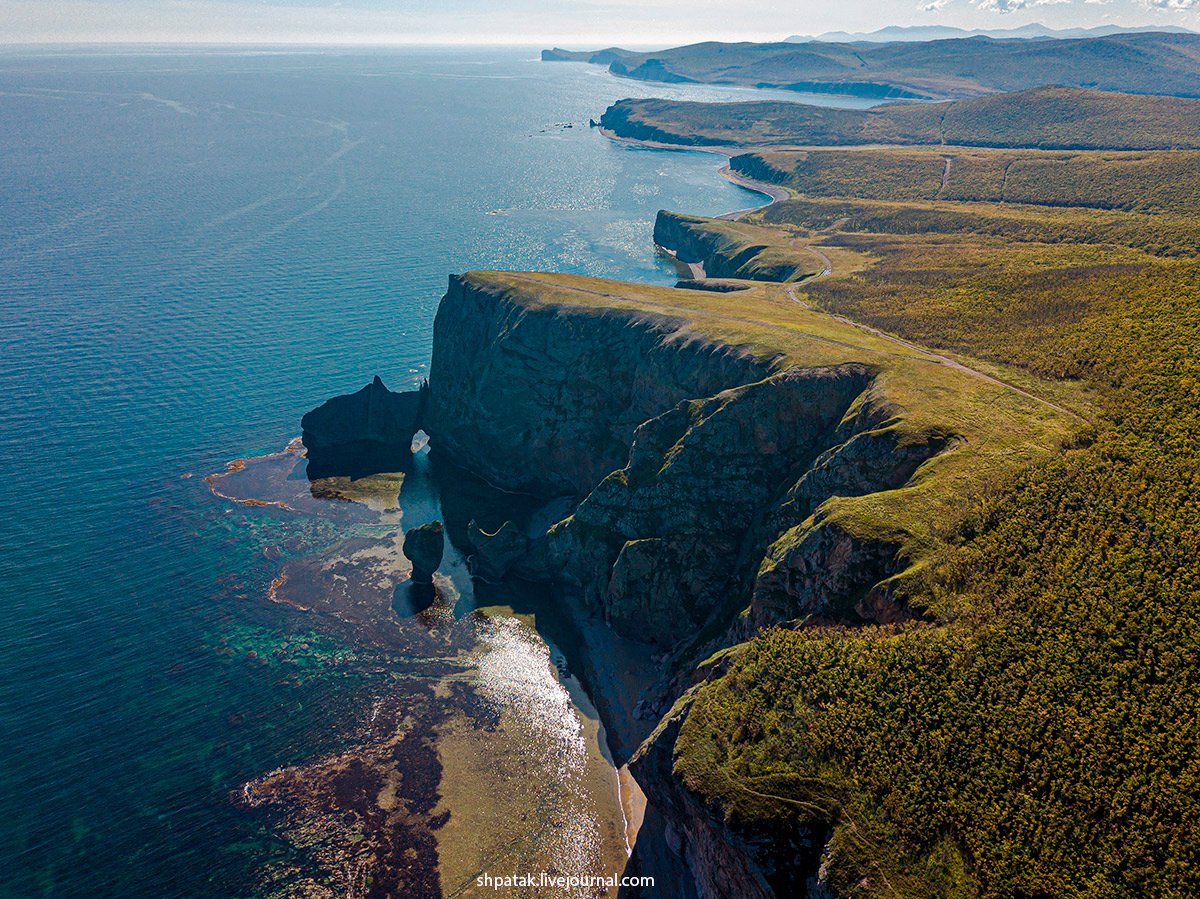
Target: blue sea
pixel 197 247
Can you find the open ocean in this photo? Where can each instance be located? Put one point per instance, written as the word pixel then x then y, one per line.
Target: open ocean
pixel 197 247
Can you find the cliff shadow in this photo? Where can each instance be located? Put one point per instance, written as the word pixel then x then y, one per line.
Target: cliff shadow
pixel 411 600
pixel 357 460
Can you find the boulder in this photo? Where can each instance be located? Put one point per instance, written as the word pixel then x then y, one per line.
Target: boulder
pixel 423 546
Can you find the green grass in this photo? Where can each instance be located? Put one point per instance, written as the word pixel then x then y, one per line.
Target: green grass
pixel 1148 182
pixel 1038 733
pixel 1047 730
pixel 862 223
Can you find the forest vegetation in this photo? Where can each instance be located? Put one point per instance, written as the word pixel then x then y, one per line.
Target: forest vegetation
pixel 1043 117
pixel 1035 732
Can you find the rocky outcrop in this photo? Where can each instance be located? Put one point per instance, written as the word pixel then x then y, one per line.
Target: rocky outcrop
pixel 656 544
pixel 493 555
pixel 624 119
pixel 757 167
pixel 423 546
pixel 694 239
pixel 703 476
pixel 811 565
pixel 544 400
pixel 709 506
pixel 364 432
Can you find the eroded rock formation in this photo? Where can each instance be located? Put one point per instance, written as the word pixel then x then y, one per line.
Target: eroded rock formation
pixel 701 469
pixel 544 399
pixel 423 546
pixel 362 433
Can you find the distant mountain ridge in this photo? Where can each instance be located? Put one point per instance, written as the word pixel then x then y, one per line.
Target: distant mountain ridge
pixel 1033 31
pixel 1139 63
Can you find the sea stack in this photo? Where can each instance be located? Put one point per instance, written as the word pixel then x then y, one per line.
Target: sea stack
pixel 423 546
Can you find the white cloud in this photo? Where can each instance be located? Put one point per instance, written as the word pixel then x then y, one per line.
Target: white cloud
pixel 1001 6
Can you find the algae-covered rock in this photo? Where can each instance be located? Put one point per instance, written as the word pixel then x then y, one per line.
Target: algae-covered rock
pixel 493 555
pixel 423 546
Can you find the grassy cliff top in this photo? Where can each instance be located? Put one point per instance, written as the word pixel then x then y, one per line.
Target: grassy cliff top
pixel 1001 428
pixel 1041 117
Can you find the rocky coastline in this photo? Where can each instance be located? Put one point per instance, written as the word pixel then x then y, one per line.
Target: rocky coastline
pixel 689 474
pixel 711 461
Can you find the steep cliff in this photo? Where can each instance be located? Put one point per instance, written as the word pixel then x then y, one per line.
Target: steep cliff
pixel 760 167
pixel 700 467
pixel 656 544
pixel 545 399
pixel 778 854
pixel 732 250
pixel 734 462
pixel 364 432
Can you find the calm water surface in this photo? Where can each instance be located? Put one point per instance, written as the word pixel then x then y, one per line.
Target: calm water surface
pixel 195 249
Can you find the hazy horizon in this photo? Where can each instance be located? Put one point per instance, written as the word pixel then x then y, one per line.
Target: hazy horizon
pixel 575 23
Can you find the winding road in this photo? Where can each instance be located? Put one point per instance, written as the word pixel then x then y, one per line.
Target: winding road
pixel 779 194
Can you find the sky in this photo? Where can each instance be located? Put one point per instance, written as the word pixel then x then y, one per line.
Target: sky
pixel 568 23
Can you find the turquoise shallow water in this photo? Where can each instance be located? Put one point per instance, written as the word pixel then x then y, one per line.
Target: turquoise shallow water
pixel 195 249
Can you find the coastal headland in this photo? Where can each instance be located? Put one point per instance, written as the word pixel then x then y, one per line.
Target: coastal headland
pixel 867 487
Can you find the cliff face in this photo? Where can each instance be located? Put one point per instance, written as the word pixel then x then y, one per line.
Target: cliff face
pixel 694 239
pixel 702 474
pixel 544 399
pixel 655 546
pixel 758 168
pixel 623 119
